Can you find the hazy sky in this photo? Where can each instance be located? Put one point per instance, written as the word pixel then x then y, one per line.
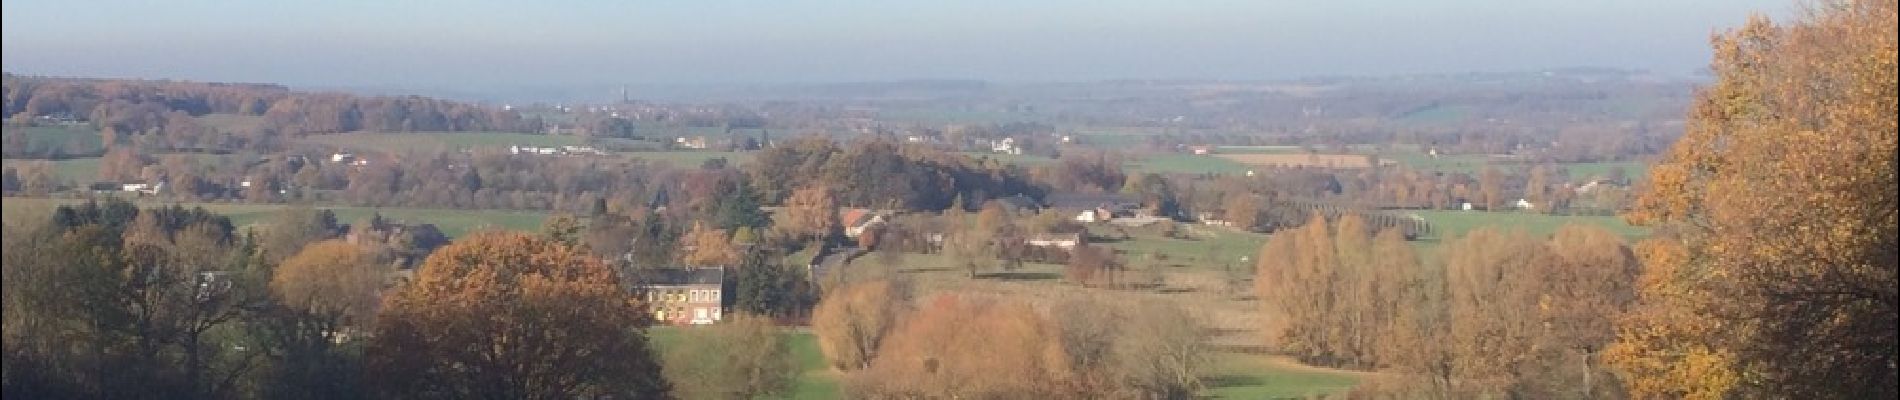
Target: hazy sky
pixel 485 42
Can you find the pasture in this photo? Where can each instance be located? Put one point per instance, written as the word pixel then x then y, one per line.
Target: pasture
pixel 815 380
pixel 74 139
pixel 426 141
pixel 1450 224
pixel 1172 163
pixel 454 223
pixel 77 171
pixel 1353 161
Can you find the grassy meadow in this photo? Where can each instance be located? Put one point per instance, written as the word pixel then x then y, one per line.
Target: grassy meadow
pixel 454 223
pixel 815 381
pixel 423 141
pixel 77 139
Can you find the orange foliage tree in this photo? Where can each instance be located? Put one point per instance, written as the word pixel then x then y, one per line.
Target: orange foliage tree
pixel 853 321
pixel 512 316
pixel 1777 277
pixel 967 347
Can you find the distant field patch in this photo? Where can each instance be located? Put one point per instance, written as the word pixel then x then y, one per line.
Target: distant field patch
pixel 454 223
pixel 1257 149
pixel 1302 160
pixel 1583 171
pixel 1185 164
pixel 1451 224
pixel 79 171
pixel 423 141
pixel 1438 113
pixel 71 139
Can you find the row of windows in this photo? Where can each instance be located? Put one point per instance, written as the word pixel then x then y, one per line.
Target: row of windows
pixel 683 295
pixel 699 313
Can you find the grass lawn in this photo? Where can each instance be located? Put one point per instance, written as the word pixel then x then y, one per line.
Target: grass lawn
pixel 454 223
pixel 815 381
pixel 418 141
pixel 1248 376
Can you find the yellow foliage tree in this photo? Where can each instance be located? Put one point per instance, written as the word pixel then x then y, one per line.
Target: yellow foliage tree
pixel 708 246
pixel 1779 203
pixel 512 316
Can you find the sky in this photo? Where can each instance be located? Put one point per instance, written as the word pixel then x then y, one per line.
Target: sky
pixel 554 42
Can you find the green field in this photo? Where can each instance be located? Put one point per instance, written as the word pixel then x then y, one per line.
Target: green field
pixel 1467 163
pixel 1451 224
pixel 1206 246
pixel 77 139
pixel 1184 164
pixel 1258 149
pixel 454 223
pixel 1437 114
pixel 1247 376
pixel 422 141
pixel 1582 171
pixel 815 380
pixel 78 171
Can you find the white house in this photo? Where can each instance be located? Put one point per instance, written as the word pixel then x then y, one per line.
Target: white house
pixel 342 158
pixel 1005 146
pixel 1062 240
pixel 143 188
pixel 1523 204
pixel 1466 206
pixel 1091 215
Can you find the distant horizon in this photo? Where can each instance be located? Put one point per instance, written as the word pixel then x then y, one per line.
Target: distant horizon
pixel 490 89
pixel 481 43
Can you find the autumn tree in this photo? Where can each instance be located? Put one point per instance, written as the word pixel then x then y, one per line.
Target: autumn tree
pixel 967 347
pixel 1242 210
pixel 1779 206
pixel 1089 265
pixel 325 296
pixel 511 316
pixel 810 212
pixel 708 246
pixel 742 357
pixel 286 232
pixel 853 321
pixel 1127 348
pixel 1491 188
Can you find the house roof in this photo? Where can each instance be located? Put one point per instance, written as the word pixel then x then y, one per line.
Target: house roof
pixel 1073 200
pixel 855 216
pixel 682 276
